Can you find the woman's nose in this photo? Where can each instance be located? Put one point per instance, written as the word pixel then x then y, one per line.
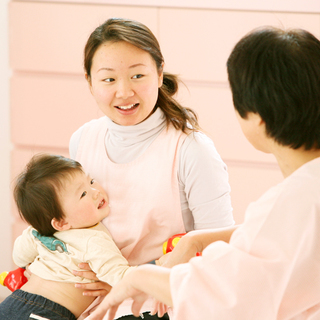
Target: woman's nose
pixel 124 90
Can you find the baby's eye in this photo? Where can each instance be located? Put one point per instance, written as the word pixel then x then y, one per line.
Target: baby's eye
pixel 83 194
pixel 92 181
pixel 137 76
pixel 108 80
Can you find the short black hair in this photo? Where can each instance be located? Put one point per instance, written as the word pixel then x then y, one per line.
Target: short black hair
pixel 35 191
pixel 276 73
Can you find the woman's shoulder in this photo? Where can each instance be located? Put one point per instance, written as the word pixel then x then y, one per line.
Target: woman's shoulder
pixel 76 136
pixel 199 154
pixel 199 144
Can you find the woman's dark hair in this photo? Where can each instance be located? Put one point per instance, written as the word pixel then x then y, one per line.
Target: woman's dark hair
pixel 276 73
pixel 137 34
pixel 36 190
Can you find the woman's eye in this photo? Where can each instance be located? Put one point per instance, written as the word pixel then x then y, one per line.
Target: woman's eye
pixel 108 80
pixel 137 76
pixel 92 181
pixel 83 194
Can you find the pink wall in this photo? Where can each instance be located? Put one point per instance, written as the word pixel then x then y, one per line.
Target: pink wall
pixel 5 214
pixel 50 98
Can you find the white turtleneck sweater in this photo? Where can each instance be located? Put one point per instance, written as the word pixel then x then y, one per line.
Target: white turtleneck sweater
pixel 202 175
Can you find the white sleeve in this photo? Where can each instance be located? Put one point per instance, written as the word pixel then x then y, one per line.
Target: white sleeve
pixel 204 187
pixel 74 142
pixel 25 249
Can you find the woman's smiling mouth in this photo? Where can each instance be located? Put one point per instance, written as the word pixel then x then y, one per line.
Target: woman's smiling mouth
pixel 129 107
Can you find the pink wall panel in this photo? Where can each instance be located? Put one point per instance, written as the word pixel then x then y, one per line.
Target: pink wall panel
pixel 199 47
pixel 248 182
pixel 47 109
pixel 52 40
pixel 217 117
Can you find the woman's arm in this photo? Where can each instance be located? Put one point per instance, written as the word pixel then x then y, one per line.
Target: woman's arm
pixel 144 281
pixel 204 187
pixel 193 242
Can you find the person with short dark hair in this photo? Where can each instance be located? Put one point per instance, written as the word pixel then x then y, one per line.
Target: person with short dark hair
pixel 269 267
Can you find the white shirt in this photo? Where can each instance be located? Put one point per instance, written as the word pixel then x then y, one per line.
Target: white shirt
pixel 203 177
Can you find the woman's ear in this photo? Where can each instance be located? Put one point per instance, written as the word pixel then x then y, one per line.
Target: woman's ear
pixel 60 225
pixel 88 78
pixel 160 80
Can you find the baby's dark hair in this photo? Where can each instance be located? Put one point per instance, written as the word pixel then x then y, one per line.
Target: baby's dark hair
pixel 36 190
pixel 276 74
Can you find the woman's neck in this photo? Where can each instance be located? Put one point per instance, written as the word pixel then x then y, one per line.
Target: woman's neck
pixel 290 160
pixel 125 143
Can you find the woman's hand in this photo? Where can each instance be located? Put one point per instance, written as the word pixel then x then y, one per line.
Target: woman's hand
pixel 123 290
pixel 139 284
pixel 193 242
pixel 185 249
pixel 158 308
pixel 95 289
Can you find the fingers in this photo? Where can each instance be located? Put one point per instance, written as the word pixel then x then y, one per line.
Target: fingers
pixel 94 289
pixel 84 266
pixel 27 273
pixel 158 308
pixel 162 261
pixel 162 309
pixel 100 312
pixel 85 274
pixel 136 307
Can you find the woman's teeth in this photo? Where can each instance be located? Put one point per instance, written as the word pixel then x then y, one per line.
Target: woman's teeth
pixel 127 107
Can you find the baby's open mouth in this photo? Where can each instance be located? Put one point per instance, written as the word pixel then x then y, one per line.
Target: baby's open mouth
pixel 101 203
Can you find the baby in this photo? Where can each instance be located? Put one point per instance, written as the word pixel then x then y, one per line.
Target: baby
pixel 64 207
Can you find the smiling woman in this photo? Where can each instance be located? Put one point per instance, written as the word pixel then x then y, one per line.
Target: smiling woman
pixel 163 176
pixel 124 81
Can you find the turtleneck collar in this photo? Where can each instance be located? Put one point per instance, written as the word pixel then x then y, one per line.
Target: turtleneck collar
pixel 126 136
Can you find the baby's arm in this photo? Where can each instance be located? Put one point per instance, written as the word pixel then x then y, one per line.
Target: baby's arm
pixel 106 260
pixel 24 249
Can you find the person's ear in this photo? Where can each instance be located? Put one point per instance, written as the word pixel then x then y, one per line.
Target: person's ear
pixel 160 80
pixel 60 225
pixel 88 78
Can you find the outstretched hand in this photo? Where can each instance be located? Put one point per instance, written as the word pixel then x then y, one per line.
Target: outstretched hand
pixel 123 290
pixel 95 289
pixel 139 284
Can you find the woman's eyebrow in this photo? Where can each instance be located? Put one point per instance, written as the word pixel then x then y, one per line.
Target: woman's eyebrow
pixel 137 65
pixel 130 67
pixel 105 68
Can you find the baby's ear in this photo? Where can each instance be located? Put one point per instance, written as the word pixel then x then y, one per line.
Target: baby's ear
pixel 60 225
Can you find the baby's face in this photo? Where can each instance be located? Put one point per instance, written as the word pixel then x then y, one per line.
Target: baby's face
pixel 83 201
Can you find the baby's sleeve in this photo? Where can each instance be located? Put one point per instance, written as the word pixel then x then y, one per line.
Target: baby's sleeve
pixel 24 249
pixel 106 260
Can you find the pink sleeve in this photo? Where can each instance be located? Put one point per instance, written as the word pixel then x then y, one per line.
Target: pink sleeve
pixel 226 283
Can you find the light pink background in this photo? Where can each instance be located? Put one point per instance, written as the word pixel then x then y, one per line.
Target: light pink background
pixel 49 98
